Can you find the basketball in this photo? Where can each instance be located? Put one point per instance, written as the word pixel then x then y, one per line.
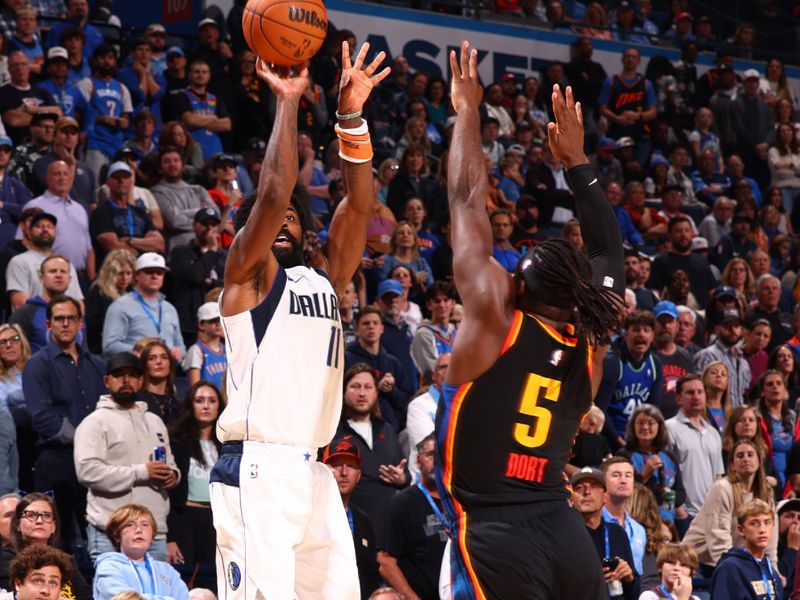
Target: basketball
pixel 285 32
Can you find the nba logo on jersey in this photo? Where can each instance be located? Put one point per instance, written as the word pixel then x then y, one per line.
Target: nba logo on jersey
pixel 556 356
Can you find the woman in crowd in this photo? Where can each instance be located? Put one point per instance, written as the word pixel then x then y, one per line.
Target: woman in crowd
pixel 414 180
pixel 703 137
pixel 158 389
pixel 416 214
pixel 571 231
pixel 646 442
pixel 774 197
pixel 743 424
pixel 131 530
pixel 190 538
pixel 776 419
pixel 115 279
pixel 715 381
pixel 175 134
pixel 676 565
pixel 35 521
pixel 405 251
pixel 643 509
pixel 595 23
pixel 536 109
pixel 14 353
pixel 774 87
pixel 386 172
pixel 383 467
pixel 713 531
pixel 655 183
pixel 437 101
pixel 784 360
pixel 409 310
pixel 780 251
pixel 784 164
pixel 521 113
pixel 738 275
pixel 413 135
pixel 755 340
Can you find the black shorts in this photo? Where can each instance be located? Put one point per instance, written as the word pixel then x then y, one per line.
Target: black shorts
pixel 535 551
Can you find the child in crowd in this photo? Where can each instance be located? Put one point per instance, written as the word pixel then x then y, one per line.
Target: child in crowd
pixel 206 359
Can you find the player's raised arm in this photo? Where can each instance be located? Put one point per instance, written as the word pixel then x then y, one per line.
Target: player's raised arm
pixel 250 255
pixel 485 287
pixel 601 233
pixel 348 232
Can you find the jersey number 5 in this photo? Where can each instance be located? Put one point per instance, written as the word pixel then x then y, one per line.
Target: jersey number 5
pixel 536 387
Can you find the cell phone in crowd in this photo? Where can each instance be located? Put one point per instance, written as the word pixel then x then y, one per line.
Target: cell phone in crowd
pixel 234 185
pixel 160 453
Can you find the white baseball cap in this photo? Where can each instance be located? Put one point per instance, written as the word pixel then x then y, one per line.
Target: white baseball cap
pixel 208 312
pixel 751 74
pixel 118 166
pixel 151 260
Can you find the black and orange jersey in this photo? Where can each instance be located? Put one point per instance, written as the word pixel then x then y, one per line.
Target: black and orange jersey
pixel 505 437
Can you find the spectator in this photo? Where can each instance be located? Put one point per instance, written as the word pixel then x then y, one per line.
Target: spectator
pixel 206 359
pixel 40 130
pixel 110 108
pixel 63 93
pixel 717 223
pixel 190 530
pixel 8 503
pixel 629 232
pixel 671 202
pixel 197 266
pixel 414 180
pixel 156 36
pixel 713 531
pixel 114 458
pixel 118 225
pixel 696 443
pixel 158 390
pixel 645 299
pixel 74 241
pixel 738 276
pixel 502 250
pixel 203 113
pixel 77 16
pixel 687 330
pixel 177 77
pixel 618 473
pixel 675 361
pixel 146 87
pixel 677 564
pixel 709 183
pixel 14 353
pixel 783 359
pixel 526 232
pixel 78 64
pixel 606 165
pixel 421 417
pixel 768 296
pixel 139 196
pixel 409 311
pixel 143 312
pixel 752 125
pixel 788 538
pixel 114 280
pixel 735 574
pixel 226 193
pixel 735 169
pixel 178 200
pixel 396 337
pixel 214 52
pixel 678 161
pixel 31 316
pixel 65 147
pixel 681 257
pixel 383 468
pixel 344 460
pixel 784 163
pixel 60 384
pixel 14 193
pixel 736 243
pixel 22 274
pixel 777 420
pixel 434 337
pixel 715 382
pixel 727 350
pixel 9 453
pixel 143 141
pixel 587 77
pixel 628 101
pixel 632 376
pixel 20 101
pixel 756 338
pixel 588 491
pixel 646 445
pixel 132 561
pixel 416 214
pixel 411 556
pixel 405 251
pixel 37 567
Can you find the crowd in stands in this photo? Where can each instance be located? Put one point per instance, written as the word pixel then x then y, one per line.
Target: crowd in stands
pixel 121 173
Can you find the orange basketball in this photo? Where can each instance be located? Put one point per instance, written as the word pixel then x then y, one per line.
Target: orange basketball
pixel 285 32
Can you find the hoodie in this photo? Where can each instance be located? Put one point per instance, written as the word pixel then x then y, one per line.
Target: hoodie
pixel 739 577
pixel 112 446
pixel 153 579
pixel 430 342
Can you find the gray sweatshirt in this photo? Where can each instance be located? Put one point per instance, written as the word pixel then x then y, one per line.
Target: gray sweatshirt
pixel 179 202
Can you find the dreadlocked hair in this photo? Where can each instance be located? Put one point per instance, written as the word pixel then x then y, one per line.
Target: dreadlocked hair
pixel 558 275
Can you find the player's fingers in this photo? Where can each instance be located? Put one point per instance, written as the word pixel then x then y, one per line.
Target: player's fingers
pixel 345 55
pixel 569 101
pixel 464 58
pixel 362 55
pixel 376 62
pixel 473 65
pixel 376 79
pixel 454 64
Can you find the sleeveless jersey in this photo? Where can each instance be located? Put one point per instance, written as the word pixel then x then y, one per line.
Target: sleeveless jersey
pixel 285 364
pixel 632 390
pixel 106 100
pixel 505 437
pixel 622 97
pixel 208 140
pixel 214 364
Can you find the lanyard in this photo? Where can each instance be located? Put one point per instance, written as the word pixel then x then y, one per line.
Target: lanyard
pixel 767 579
pixel 139 577
pixel 147 310
pixel 350 520
pixel 605 538
pixel 666 593
pixel 435 508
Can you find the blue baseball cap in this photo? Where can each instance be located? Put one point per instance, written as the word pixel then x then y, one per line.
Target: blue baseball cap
pixel 176 50
pixel 389 286
pixel 665 307
pixel 6 141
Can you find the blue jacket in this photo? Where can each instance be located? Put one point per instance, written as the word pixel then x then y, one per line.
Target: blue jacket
pixel 627 228
pixel 115 572
pixel 738 577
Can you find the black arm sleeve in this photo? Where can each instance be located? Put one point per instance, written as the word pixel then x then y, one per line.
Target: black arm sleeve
pixel 599 229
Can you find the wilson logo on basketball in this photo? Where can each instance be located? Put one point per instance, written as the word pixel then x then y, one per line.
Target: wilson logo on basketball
pixel 309 17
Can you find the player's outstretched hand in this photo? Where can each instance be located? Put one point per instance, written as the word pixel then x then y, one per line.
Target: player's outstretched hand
pixel 285 82
pixel 566 134
pixel 358 80
pixel 465 89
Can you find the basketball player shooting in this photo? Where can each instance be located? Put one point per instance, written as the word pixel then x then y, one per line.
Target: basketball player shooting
pixel 524 369
pixel 281 528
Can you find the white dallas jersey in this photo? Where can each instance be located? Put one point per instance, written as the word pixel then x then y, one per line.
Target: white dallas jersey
pixel 285 364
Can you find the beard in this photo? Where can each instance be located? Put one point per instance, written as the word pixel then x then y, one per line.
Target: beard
pixel 42 242
pixel 124 397
pixel 289 257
